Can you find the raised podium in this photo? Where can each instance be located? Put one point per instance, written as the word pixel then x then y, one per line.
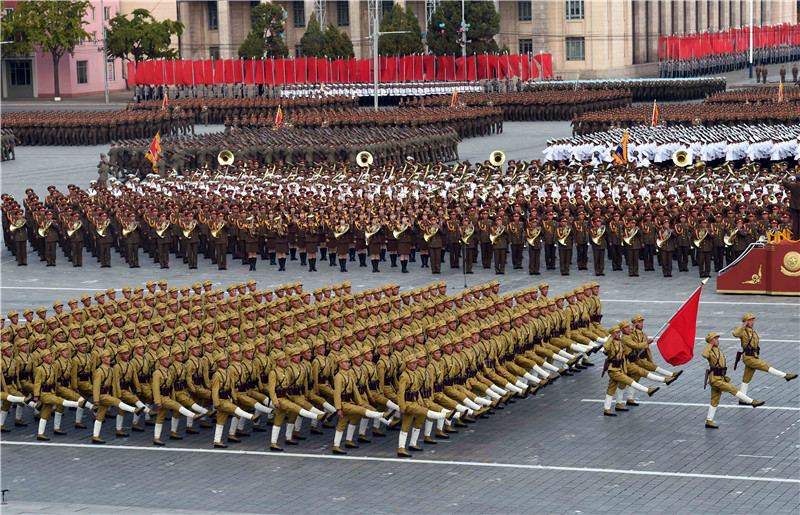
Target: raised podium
pixel 764 269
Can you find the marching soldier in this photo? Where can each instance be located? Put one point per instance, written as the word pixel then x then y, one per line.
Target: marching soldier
pixel 666 247
pixel 599 240
pixel 617 367
pixel 499 238
pixel 533 235
pixel 633 245
pixel 750 354
pixel 565 240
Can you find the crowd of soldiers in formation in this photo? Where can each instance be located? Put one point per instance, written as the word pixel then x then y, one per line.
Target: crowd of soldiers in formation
pixel 343 212
pixel 468 122
pixel 754 95
pixel 655 146
pixel 413 361
pixel 728 62
pixel 643 90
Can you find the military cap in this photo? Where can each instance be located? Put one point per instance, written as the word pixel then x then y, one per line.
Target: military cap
pixel 710 336
pixel 748 316
pixel 278 354
pixel 614 329
pixel 636 318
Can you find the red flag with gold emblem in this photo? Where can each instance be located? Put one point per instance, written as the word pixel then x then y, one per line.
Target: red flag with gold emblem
pixel 154 153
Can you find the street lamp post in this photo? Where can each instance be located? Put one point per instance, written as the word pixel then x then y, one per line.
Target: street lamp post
pixel 375 36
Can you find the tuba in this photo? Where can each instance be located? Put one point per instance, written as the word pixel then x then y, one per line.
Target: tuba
pixel 162 229
pixel 399 231
pixel 341 231
pixel 681 158
pixel 187 231
pixel 701 235
pixel 497 158
pixel 44 230
pixel 371 231
pixel 666 234
pixel 467 233
pixel 430 234
pixel 19 224
pixel 128 229
pixel 217 228
pixel 730 238
pixel 73 228
pixel 597 234
pixel 563 239
pixel 102 227
pixel 496 233
pixel 533 235
pixel 225 158
pixel 630 235
pixel 364 159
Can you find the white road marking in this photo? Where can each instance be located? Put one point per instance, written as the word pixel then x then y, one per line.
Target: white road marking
pixel 704 405
pixel 414 461
pixel 748 303
pixel 754 456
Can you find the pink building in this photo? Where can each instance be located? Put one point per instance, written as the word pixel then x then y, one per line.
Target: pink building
pixel 79 74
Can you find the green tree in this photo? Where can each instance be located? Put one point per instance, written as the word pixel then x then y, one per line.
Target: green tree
pixel 400 20
pixel 266 37
pixel 141 37
pixel 313 41
pixel 55 28
pixel 483 21
pixel 337 43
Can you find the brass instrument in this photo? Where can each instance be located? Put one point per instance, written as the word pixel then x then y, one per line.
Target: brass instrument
pixel 364 159
pixel 129 228
pixel 430 234
pixel 19 224
pixel 772 199
pixel 535 234
pixel 666 234
pixel 630 235
pixel 371 231
pixel 162 229
pixel 681 158
pixel 399 231
pixel 102 228
pixel 73 228
pixel 563 239
pixel 597 234
pixel 341 231
pixel 497 158
pixel 225 158
pixel 759 202
pixel 739 197
pixel 44 230
pixel 468 232
pixel 217 228
pixel 701 236
pixel 187 231
pixel 496 233
pixel 730 238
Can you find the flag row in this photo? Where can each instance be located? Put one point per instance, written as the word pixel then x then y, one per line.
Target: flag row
pixel 311 70
pixel 727 41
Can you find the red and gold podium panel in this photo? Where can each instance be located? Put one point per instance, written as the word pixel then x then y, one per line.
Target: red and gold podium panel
pixel 773 269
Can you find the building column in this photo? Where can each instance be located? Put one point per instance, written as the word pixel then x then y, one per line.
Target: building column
pixel 667 17
pixel 678 26
pixel 756 15
pixel 357 31
pixel 226 50
pixel 724 15
pixel 736 13
pixel 713 15
pixel 766 13
pixel 653 22
pixel 701 11
pixel 639 15
pixel 690 17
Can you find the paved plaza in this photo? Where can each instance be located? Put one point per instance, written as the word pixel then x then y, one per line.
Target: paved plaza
pixel 553 452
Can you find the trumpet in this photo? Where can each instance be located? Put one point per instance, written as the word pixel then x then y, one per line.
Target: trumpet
pixel 44 230
pixel 630 235
pixel 399 231
pixel 497 233
pixel 187 231
pixel 102 227
pixel 217 228
pixel 128 229
pixel 562 238
pixel 73 228
pixel 431 233
pixel 532 235
pixel 730 238
pixel 597 234
pixel 19 224
pixel 701 235
pixel 467 233
pixel 371 231
pixel 666 234
pixel 162 228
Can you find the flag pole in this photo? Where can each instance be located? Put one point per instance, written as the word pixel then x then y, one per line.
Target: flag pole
pixel 702 283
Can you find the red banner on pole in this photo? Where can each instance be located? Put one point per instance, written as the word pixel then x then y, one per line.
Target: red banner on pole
pixel 132 73
pixel 676 343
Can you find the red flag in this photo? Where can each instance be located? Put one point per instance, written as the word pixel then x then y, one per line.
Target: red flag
pixel 429 64
pixel 154 154
pixel 179 67
pixel 165 103
pixel 169 72
pixel 219 72
pixel 132 73
pixel 278 117
pixel 249 71
pixel 654 121
pixel 676 344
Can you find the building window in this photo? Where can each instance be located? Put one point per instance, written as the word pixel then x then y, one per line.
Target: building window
pixel 299 13
pixel 112 70
pixel 19 73
pixel 574 9
pixel 298 51
pixel 343 14
pixel 213 16
pixel 254 3
pixel 7 11
pixel 576 49
pixel 386 6
pixel 106 13
pixel 524 10
pixel 213 52
pixel 525 46
pixel 83 76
